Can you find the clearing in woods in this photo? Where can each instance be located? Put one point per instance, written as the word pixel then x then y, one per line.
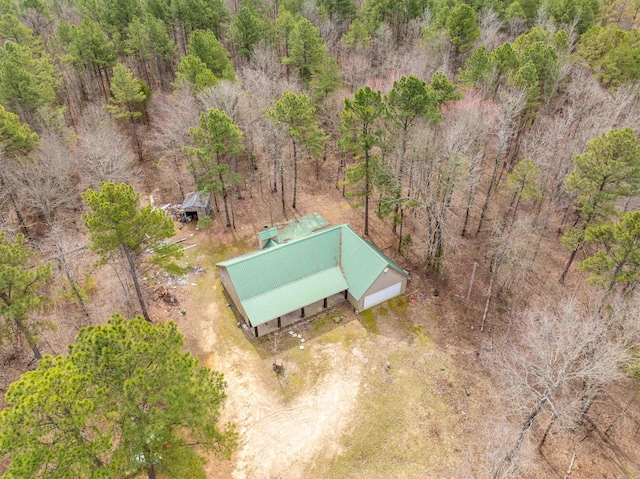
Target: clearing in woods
pixel 371 395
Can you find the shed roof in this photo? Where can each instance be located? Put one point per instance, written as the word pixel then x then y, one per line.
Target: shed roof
pixel 196 200
pixel 284 277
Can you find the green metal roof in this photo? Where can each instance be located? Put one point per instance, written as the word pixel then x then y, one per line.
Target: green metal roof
pixel 268 233
pixel 362 262
pixel 294 229
pixel 271 268
pixel 300 227
pixel 270 243
pixel 293 296
pixel 284 277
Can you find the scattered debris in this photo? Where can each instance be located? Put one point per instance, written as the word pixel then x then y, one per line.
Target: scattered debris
pixel 166 296
pixel 189 247
pixel 301 347
pixel 182 312
pixel 466 391
pixel 386 366
pixel 302 340
pixel 194 284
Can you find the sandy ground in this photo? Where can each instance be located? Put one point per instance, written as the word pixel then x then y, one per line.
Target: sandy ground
pixel 282 421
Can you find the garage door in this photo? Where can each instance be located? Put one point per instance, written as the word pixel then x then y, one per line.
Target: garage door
pixel 382 295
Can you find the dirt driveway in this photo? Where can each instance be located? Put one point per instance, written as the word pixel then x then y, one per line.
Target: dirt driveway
pixel 365 394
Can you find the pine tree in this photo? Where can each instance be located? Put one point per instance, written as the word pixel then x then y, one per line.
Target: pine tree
pixel 90 47
pixel 297 115
pixel 11 29
pixel 201 15
pixel 338 10
pixel 128 100
pixel 125 401
pixel 409 100
pixel 307 49
pixel 444 89
pixel 216 138
pixel 204 45
pixel 28 79
pixel 357 37
pixel 326 79
pixel 116 224
pixel 245 31
pixel 361 132
pixel 20 291
pixel 608 170
pixel 148 39
pixel 462 27
pixel 619 260
pixel 194 72
pixel 285 24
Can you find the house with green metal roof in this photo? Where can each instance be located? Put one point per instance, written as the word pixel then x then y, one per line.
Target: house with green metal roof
pixel 285 282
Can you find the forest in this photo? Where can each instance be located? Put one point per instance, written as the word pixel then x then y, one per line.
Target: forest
pixel 490 147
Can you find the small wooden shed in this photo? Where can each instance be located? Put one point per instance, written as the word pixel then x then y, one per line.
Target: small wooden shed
pixel 197 205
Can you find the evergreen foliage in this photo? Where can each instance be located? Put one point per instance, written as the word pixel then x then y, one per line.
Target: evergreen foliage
pixel 205 46
pixel 20 292
pixel 618 262
pixel 216 139
pixel 116 224
pixel 126 400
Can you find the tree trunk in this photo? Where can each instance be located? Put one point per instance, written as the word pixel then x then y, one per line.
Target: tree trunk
pixel 224 193
pixel 132 268
pixel 295 174
pixel 566 268
pixel 366 193
pixel 527 425
pixel 23 226
pixel 284 210
pixel 467 213
pixel 63 265
pixel 151 472
pixel 30 339
pixel 137 140
pixel 546 432
pixel 400 177
pixel 489 190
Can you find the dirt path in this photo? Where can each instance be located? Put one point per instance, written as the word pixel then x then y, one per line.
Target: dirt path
pixel 279 438
pixel 281 426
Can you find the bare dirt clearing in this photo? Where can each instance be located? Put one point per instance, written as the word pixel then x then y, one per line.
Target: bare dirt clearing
pixel 369 393
pixel 400 391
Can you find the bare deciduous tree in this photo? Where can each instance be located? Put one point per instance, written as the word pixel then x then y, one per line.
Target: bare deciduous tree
pixel 61 245
pixel 561 349
pixel 103 152
pixel 172 116
pixel 47 183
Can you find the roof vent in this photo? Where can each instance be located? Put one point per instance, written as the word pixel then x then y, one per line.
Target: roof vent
pixel 385 270
pixel 266 227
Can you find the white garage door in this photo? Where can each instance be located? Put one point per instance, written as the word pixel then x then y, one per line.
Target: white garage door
pixel 382 295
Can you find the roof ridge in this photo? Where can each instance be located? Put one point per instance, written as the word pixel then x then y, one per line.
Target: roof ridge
pixel 253 254
pixel 381 254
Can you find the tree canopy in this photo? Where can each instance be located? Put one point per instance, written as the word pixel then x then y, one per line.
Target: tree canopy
pixel 126 400
pixel 116 224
